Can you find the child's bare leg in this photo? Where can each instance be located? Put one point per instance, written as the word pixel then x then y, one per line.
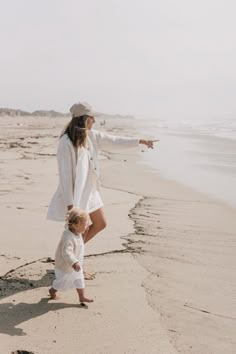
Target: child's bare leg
pixel 53 293
pixel 82 298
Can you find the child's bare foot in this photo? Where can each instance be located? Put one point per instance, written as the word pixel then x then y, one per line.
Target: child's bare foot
pixel 82 298
pixel 53 294
pixel 85 299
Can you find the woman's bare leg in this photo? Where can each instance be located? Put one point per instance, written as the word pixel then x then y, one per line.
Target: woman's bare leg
pixel 98 224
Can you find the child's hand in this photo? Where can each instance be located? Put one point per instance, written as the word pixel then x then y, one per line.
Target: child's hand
pixel 76 267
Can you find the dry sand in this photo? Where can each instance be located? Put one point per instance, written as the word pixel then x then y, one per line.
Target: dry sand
pixel 165 265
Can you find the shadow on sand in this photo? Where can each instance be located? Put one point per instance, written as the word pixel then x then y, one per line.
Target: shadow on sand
pixel 13 315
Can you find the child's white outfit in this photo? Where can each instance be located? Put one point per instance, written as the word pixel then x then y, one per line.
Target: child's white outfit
pixel 70 250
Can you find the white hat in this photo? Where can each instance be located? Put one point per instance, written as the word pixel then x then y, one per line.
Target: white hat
pixel 81 109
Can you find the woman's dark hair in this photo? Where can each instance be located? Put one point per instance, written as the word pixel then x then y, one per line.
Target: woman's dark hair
pixel 76 130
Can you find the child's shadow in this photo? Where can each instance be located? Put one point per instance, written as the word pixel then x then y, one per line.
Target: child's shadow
pixel 14 284
pixel 13 315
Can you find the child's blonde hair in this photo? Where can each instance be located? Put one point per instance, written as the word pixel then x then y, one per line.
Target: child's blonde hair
pixel 75 216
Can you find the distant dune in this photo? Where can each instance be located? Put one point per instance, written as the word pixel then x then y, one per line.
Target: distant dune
pixel 40 113
pixel 51 113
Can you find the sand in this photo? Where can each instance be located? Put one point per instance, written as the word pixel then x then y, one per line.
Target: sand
pixel 165 265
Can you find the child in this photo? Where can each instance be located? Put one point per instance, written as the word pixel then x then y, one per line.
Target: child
pixel 69 256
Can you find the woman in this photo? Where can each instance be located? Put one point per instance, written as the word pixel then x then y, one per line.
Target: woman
pixel 78 164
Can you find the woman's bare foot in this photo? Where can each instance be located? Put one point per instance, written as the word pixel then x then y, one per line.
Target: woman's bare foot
pixel 53 294
pixel 89 276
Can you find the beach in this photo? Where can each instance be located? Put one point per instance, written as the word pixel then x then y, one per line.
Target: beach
pixel 165 265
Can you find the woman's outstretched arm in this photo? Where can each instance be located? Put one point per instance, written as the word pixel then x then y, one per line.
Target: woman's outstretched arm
pixel 104 139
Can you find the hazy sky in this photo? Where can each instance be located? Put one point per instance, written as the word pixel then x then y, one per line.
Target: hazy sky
pixel 150 58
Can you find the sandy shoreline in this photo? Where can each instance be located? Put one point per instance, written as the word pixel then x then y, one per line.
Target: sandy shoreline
pixel 166 284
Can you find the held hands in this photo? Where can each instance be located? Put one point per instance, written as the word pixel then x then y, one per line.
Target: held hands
pixel 148 143
pixel 76 267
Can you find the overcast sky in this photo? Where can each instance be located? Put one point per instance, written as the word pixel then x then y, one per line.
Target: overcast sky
pixel 150 58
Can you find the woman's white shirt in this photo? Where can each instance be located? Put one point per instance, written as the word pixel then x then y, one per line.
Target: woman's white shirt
pixel 73 167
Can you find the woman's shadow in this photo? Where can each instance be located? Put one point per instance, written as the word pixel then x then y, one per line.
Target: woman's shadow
pixel 13 315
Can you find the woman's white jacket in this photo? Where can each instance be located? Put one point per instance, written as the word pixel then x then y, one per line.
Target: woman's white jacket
pixel 68 160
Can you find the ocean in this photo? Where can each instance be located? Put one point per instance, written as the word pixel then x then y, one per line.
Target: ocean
pixel 199 153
